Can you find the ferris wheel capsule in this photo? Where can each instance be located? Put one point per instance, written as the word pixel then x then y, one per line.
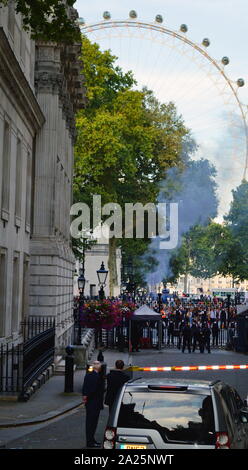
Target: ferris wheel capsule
pixel 133 14
pixel 225 60
pixel 81 21
pixel 106 15
pixel 159 19
pixel 206 42
pixel 240 82
pixel 184 28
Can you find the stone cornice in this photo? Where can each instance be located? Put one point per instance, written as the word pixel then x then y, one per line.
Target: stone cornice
pixel 16 82
pixel 58 71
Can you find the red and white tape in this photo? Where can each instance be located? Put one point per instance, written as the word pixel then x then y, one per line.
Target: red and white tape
pixel 190 368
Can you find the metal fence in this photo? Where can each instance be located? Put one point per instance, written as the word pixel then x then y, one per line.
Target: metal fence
pixel 118 337
pixel 11 365
pixel 34 325
pixel 38 355
pixel 21 364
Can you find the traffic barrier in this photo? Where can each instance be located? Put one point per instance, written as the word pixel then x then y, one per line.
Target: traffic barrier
pixel 188 368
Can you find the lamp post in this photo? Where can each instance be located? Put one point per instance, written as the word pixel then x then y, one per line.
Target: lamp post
pixel 81 286
pixel 228 308
pixel 102 275
pixel 159 302
pixel 131 282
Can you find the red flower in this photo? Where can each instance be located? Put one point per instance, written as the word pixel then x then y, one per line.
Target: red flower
pixel 105 314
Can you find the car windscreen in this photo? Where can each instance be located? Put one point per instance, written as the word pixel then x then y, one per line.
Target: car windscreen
pixel 178 417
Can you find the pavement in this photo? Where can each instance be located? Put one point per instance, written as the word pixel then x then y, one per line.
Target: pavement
pixel 50 401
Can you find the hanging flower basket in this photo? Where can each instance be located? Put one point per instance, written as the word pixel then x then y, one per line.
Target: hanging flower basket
pixel 102 314
pixel 105 314
pixel 126 309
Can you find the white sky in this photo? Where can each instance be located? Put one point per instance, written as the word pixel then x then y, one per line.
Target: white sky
pixel 174 76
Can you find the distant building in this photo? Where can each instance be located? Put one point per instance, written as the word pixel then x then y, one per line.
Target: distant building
pixel 194 285
pixel 93 259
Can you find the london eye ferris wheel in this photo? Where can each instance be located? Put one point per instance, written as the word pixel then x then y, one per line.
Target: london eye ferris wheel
pixel 181 70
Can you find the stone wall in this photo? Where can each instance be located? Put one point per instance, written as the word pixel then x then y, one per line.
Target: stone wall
pixel 20 119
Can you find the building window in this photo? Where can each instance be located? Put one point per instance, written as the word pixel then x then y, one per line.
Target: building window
pixel 15 293
pixel 93 292
pixel 6 170
pixel 18 180
pixel 3 289
pixel 28 191
pixel 25 287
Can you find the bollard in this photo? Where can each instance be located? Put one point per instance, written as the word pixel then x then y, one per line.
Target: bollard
pixel 69 366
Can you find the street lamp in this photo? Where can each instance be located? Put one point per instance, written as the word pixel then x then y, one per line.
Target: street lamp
pixel 102 274
pixel 228 307
pixel 81 282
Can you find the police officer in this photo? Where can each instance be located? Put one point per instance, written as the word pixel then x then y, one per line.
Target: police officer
pixel 207 334
pixel 195 330
pixel 170 332
pixel 180 333
pixel 215 333
pixel 201 339
pixel 186 337
pixel 93 392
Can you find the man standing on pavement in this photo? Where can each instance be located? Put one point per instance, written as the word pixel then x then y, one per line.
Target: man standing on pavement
pixel 93 391
pixel 115 379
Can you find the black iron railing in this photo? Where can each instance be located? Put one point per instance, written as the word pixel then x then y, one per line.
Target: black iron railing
pixel 118 337
pixel 38 355
pixel 11 368
pixel 21 364
pixel 34 325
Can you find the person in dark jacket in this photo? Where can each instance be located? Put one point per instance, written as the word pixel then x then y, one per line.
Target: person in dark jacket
pixel 201 339
pixel 115 379
pixel 186 338
pixel 195 330
pixel 135 335
pixel 215 333
pixel 170 332
pixel 93 392
pixel 207 334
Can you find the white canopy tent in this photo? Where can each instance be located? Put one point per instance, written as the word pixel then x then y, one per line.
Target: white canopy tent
pixel 144 313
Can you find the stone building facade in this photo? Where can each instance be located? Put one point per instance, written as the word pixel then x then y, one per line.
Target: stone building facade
pixel 40 92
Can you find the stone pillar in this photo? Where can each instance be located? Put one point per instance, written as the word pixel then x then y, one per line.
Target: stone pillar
pixel 52 260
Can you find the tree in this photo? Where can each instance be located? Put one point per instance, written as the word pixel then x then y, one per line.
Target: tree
pixel 47 19
pixel 126 138
pixel 209 246
pixel 236 260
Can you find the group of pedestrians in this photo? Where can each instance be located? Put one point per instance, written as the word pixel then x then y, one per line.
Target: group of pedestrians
pixel 93 395
pixel 194 336
pixel 194 326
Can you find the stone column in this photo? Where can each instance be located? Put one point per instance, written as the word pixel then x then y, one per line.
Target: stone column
pixel 52 261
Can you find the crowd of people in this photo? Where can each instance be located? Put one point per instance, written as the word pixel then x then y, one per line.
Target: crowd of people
pixel 194 326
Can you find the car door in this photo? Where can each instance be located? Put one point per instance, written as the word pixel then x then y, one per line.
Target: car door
pixel 239 405
pixel 233 419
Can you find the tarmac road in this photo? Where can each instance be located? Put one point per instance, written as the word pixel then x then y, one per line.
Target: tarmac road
pixel 67 432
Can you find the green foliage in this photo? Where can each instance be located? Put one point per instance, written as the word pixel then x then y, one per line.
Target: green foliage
pixel 236 261
pixel 47 19
pixel 126 138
